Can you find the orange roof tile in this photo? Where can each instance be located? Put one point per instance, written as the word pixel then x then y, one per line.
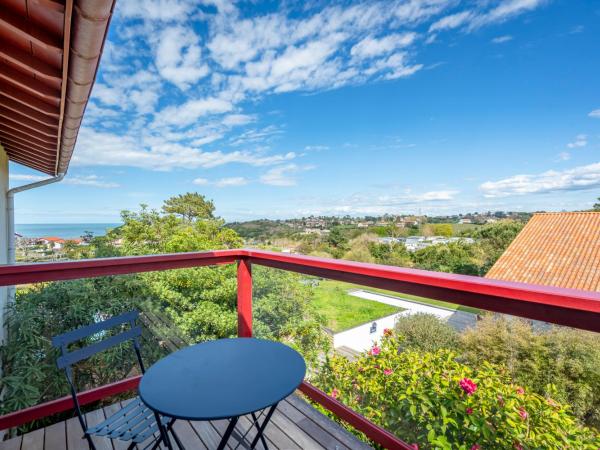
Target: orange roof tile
pixel 554 249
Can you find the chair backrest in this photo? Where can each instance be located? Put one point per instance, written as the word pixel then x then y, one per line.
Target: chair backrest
pixel 69 358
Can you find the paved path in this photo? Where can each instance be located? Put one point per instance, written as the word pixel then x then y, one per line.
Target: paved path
pixel 362 337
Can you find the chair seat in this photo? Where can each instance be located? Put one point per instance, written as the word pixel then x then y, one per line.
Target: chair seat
pixel 135 422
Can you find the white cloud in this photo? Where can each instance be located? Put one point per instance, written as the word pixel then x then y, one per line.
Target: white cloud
pixel 23 177
pixel 190 111
pixel 502 39
pixel 284 175
pixel 222 182
pixel 580 141
pixel 78 180
pixel 578 178
pixel 237 119
pixel 108 95
pixel 451 21
pixel 505 10
pixel 178 57
pixel 371 46
pixel 595 114
pixel 96 148
pixel 90 180
pixel 164 10
pixel 231 181
pixel 563 156
pixel 316 148
pixel 370 203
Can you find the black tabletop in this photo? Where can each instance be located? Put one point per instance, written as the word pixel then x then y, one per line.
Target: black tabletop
pixel 222 378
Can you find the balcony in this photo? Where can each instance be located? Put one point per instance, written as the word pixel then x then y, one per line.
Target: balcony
pixel 297 424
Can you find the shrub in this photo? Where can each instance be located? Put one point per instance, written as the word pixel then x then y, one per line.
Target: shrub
pixel 425 332
pixel 434 401
pixel 567 358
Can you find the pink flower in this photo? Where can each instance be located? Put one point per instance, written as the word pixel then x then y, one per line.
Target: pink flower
pixel 501 400
pixel 335 393
pixel 469 411
pixel 387 332
pixel 520 391
pixel 388 371
pixel 523 414
pixel 518 446
pixel 415 447
pixel 375 351
pixel 475 447
pixel 467 385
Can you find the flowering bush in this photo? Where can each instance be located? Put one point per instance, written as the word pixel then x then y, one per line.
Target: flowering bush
pixel 434 401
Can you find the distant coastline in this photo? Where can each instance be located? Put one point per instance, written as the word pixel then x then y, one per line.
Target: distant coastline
pixel 63 230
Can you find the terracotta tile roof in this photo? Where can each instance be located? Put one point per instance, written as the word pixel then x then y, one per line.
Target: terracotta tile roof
pixel 555 249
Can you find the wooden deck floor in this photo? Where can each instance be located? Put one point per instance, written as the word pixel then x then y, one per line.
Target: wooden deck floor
pixel 294 426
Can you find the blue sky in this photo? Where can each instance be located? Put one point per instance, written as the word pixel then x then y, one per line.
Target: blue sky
pixel 282 109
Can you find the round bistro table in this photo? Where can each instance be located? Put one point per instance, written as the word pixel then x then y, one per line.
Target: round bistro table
pixel 223 379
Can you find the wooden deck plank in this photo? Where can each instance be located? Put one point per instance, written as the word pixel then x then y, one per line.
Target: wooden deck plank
pixel 34 440
pixel 55 436
pixel 208 434
pixel 11 444
pixel 339 433
pixel 187 435
pixel 295 431
pixel 295 425
pixel 75 439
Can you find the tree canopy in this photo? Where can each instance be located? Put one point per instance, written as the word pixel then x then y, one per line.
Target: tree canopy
pixel 190 206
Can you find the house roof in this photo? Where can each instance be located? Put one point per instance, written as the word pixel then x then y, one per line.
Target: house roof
pixel 554 249
pixel 53 239
pixel 49 54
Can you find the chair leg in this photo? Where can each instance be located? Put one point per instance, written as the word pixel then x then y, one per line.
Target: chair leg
pixel 90 442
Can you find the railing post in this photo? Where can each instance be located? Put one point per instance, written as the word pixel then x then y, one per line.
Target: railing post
pixel 244 298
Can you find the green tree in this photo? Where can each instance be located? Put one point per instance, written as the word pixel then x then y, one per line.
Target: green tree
pixel 443 229
pixel 566 358
pixel 391 254
pixel 596 206
pixel 494 239
pixel 190 206
pixel 455 257
pixel 425 332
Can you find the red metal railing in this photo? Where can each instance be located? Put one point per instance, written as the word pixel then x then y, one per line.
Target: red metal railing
pixel 567 307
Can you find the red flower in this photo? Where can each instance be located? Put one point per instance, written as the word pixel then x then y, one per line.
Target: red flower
pixel 388 371
pixel 335 393
pixel 467 385
pixel 520 391
pixel 387 332
pixel 469 411
pixel 523 414
pixel 375 351
pixel 475 447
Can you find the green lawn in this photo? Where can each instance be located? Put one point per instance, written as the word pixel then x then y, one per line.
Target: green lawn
pixel 427 301
pixel 343 311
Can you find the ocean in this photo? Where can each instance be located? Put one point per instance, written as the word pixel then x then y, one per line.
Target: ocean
pixel 63 230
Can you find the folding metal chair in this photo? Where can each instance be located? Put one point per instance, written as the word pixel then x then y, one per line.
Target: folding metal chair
pixel 135 422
